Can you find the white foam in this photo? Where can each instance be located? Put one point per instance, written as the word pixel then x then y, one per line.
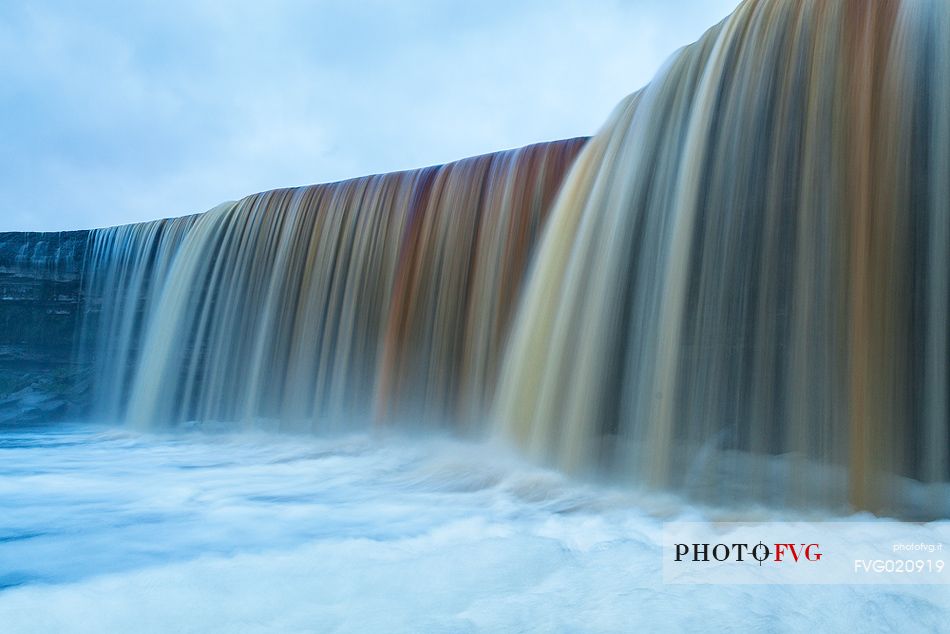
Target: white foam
pixel 113 532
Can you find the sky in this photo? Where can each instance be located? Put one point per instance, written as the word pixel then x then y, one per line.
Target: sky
pixel 117 112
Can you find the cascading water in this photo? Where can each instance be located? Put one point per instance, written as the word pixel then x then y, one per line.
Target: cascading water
pixel 125 269
pixel 317 306
pixel 750 260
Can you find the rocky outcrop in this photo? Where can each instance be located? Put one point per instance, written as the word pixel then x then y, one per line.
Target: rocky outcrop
pixel 42 375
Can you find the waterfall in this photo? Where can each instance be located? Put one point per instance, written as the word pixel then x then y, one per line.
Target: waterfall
pixel 317 307
pixel 124 268
pixel 739 287
pixel 751 259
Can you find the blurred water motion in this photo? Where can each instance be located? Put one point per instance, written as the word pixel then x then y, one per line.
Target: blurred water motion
pixel 322 306
pixel 742 285
pixel 753 255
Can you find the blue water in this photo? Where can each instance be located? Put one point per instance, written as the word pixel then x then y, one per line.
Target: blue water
pixel 105 530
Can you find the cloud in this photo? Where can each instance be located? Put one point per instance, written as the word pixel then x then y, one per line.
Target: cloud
pixel 113 114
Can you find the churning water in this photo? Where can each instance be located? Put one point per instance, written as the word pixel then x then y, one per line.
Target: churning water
pixel 109 530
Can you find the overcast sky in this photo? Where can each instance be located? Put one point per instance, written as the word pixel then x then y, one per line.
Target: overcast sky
pixel 113 113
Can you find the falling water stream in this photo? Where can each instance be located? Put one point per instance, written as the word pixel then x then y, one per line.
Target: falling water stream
pixel 739 284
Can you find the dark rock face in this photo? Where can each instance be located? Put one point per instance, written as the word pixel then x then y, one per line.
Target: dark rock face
pixel 42 377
